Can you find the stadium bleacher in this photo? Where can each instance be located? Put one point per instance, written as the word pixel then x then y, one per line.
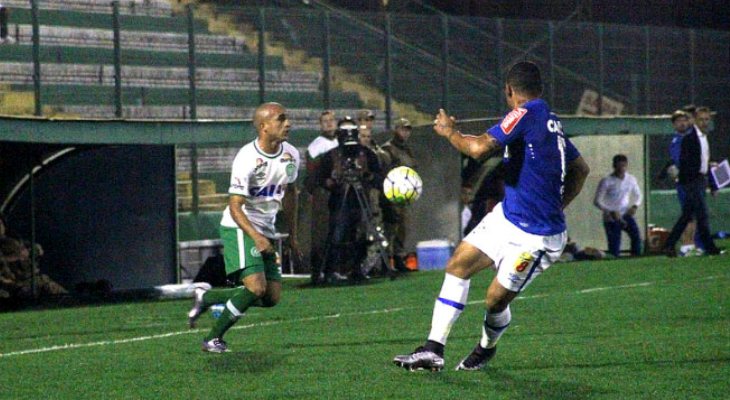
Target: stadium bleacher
pixel 133 7
pixel 95 55
pixel 78 74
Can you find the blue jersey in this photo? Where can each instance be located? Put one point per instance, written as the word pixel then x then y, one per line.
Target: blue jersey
pixel 536 156
pixel 675 148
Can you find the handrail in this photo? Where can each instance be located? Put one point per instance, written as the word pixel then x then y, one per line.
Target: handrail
pixel 400 41
pixel 564 70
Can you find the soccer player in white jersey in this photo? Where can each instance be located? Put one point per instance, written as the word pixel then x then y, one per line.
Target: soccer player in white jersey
pixel 524 234
pixel 262 183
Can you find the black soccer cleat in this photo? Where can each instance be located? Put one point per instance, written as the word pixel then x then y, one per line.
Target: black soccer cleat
pixel 477 359
pixel 420 359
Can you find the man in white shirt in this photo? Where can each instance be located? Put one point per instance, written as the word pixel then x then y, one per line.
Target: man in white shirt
pixel 618 196
pixel 318 196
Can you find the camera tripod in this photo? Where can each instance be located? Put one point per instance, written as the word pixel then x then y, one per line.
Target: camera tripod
pixel 353 183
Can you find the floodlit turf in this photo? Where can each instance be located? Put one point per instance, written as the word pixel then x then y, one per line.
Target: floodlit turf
pixel 651 328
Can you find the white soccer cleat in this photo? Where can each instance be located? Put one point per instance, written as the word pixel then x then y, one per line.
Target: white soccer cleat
pixel 198 308
pixel 214 345
pixel 420 359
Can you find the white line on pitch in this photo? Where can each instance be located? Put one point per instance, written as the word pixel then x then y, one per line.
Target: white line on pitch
pixel 518 298
pixel 598 289
pixel 269 323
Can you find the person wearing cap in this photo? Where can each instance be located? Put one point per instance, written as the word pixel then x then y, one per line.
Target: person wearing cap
pixel 365 120
pixel 395 217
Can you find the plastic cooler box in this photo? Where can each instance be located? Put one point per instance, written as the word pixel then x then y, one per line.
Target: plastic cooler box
pixel 434 254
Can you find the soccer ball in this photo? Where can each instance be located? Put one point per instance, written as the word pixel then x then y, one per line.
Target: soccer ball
pixel 402 185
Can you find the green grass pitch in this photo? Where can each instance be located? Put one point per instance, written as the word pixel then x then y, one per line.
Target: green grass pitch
pixel 649 328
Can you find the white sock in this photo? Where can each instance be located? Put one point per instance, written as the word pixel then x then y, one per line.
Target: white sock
pixel 448 307
pixel 494 326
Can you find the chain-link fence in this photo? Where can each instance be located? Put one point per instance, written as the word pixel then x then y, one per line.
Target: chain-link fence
pixel 152 60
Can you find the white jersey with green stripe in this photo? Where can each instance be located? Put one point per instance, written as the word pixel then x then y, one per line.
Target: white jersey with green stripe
pixel 261 179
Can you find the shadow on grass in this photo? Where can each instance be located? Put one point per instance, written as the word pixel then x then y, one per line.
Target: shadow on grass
pixel 527 386
pixel 718 360
pixel 498 383
pixel 247 362
pixel 411 341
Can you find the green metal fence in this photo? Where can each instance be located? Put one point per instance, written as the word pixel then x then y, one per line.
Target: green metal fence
pixel 395 63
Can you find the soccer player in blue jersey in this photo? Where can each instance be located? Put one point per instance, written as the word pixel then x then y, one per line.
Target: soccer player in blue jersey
pixel 524 234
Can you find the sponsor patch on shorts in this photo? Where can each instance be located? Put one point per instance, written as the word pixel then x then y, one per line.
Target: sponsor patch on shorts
pixel 523 261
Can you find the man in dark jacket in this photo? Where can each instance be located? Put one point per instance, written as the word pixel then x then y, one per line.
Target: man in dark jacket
pixel 694 160
pixel 348 168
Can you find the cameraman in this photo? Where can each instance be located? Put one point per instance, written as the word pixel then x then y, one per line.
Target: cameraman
pixel 344 171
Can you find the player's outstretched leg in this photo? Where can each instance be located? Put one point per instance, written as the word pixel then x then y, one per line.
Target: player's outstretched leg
pixel 494 326
pixel 466 261
pixel 199 306
pixel 496 321
pixel 233 311
pixel 478 358
pixel 446 311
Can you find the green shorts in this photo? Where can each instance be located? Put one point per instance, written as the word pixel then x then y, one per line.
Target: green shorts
pixel 242 258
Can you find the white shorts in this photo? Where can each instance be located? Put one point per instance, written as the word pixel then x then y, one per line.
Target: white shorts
pixel 518 256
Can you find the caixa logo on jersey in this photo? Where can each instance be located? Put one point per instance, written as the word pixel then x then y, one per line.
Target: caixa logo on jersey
pixel 266 191
pixel 555 126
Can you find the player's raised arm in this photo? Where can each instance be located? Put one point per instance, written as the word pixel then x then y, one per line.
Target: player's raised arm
pixel 476 147
pixel 575 176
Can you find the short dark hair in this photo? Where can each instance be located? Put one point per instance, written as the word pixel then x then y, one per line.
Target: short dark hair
pixel 325 112
pixel 679 114
pixel 524 77
pixel 619 158
pixel 690 109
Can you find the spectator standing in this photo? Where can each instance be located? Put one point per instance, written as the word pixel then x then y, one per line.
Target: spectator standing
pixel 375 193
pixel 4 17
pixel 682 120
pixel 343 170
pixel 694 163
pixel 318 196
pixel 618 196
pixel 365 123
pixel 397 153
